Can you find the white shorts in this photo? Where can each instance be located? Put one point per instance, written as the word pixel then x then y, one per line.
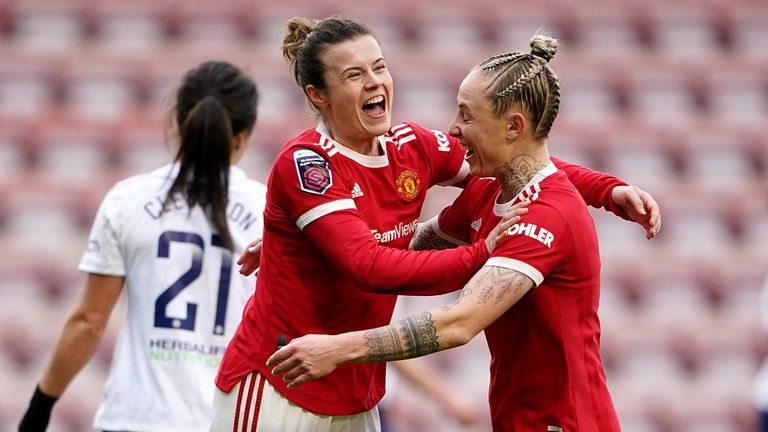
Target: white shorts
pixel 254 405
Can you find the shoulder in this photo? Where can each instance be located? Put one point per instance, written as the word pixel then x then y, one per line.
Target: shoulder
pixel 240 182
pixel 557 196
pixel 146 183
pixel 312 167
pixel 478 184
pixel 309 144
pixel 238 176
pixel 408 132
pixel 121 199
pixel 476 195
pixel 311 140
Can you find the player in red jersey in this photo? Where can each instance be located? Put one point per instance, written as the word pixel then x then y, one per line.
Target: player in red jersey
pixel 338 194
pixel 536 297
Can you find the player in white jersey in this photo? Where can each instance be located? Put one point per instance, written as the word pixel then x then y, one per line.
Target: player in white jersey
pixel 168 237
pixel 760 390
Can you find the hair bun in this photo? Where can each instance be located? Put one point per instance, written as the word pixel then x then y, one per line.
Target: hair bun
pixel 297 31
pixel 543 46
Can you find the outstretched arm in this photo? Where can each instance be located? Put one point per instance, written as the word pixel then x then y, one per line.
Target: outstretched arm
pixel 640 207
pixel 385 270
pixel 78 341
pixel 487 296
pixel 600 190
pixel 429 236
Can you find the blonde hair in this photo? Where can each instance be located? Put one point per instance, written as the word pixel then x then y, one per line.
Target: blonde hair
pixel 526 80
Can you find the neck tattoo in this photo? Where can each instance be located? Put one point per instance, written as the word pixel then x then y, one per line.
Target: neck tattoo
pixel 518 172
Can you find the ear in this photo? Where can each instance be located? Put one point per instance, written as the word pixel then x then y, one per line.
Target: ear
pixel 241 140
pixel 316 96
pixel 516 125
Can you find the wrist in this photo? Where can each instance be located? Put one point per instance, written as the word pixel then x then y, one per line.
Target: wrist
pixel 485 247
pixel 352 347
pixel 614 192
pixel 42 399
pixel 39 412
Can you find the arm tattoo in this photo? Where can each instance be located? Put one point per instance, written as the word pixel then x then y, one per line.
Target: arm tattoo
pixel 467 291
pixel 426 238
pixel 498 283
pixel 518 172
pixel 414 336
pixel 383 344
pixel 493 282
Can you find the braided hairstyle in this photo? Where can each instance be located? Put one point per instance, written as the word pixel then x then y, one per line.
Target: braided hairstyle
pixel 525 79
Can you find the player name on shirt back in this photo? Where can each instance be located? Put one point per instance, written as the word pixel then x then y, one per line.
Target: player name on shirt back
pixel 237 213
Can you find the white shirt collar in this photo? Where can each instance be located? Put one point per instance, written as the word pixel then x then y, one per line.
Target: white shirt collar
pixel 364 160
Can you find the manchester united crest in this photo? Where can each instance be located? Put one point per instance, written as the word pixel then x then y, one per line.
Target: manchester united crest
pixel 407 184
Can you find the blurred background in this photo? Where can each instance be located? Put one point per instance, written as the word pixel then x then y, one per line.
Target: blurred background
pixel 671 96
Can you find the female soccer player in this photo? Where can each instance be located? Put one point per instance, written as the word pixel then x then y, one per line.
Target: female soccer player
pixel 536 297
pixel 168 237
pixel 337 194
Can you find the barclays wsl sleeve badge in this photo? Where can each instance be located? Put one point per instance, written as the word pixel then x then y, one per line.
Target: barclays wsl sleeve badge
pixel 314 172
pixel 407 185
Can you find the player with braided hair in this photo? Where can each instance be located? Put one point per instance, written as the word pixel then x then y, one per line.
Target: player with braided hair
pixel 536 297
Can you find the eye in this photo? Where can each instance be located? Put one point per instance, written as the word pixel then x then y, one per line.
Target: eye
pixel 380 67
pixel 354 75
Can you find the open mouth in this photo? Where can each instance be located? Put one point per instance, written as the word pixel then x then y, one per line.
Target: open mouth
pixel 469 151
pixel 374 106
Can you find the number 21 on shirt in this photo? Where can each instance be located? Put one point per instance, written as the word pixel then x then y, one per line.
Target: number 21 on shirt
pixel 193 272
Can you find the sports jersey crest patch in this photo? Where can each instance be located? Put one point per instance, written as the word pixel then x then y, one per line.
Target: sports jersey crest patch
pixel 407 184
pixel 314 172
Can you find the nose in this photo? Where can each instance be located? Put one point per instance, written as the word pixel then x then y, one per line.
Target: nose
pixel 373 81
pixel 453 129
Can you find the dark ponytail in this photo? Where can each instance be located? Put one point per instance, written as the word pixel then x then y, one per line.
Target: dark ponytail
pixel 215 103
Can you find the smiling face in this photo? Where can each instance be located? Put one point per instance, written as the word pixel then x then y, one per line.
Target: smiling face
pixel 356 103
pixel 483 134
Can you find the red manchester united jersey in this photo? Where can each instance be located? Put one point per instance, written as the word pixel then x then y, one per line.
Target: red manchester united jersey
pixel 329 214
pixel 546 371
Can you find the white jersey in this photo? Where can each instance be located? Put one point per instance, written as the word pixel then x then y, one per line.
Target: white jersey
pixel 185 299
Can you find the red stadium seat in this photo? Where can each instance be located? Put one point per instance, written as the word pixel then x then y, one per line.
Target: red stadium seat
pixel 608 29
pixel 588 93
pixel 737 95
pixel 684 33
pixel 750 34
pixel 660 94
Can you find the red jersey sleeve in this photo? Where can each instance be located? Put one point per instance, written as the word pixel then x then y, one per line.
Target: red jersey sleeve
pixel 535 245
pixel 594 186
pixel 307 187
pixel 442 151
pixel 452 222
pixel 347 242
pixel 322 207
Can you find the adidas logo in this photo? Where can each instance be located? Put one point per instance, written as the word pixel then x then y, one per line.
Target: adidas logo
pixel 476 224
pixel 356 191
